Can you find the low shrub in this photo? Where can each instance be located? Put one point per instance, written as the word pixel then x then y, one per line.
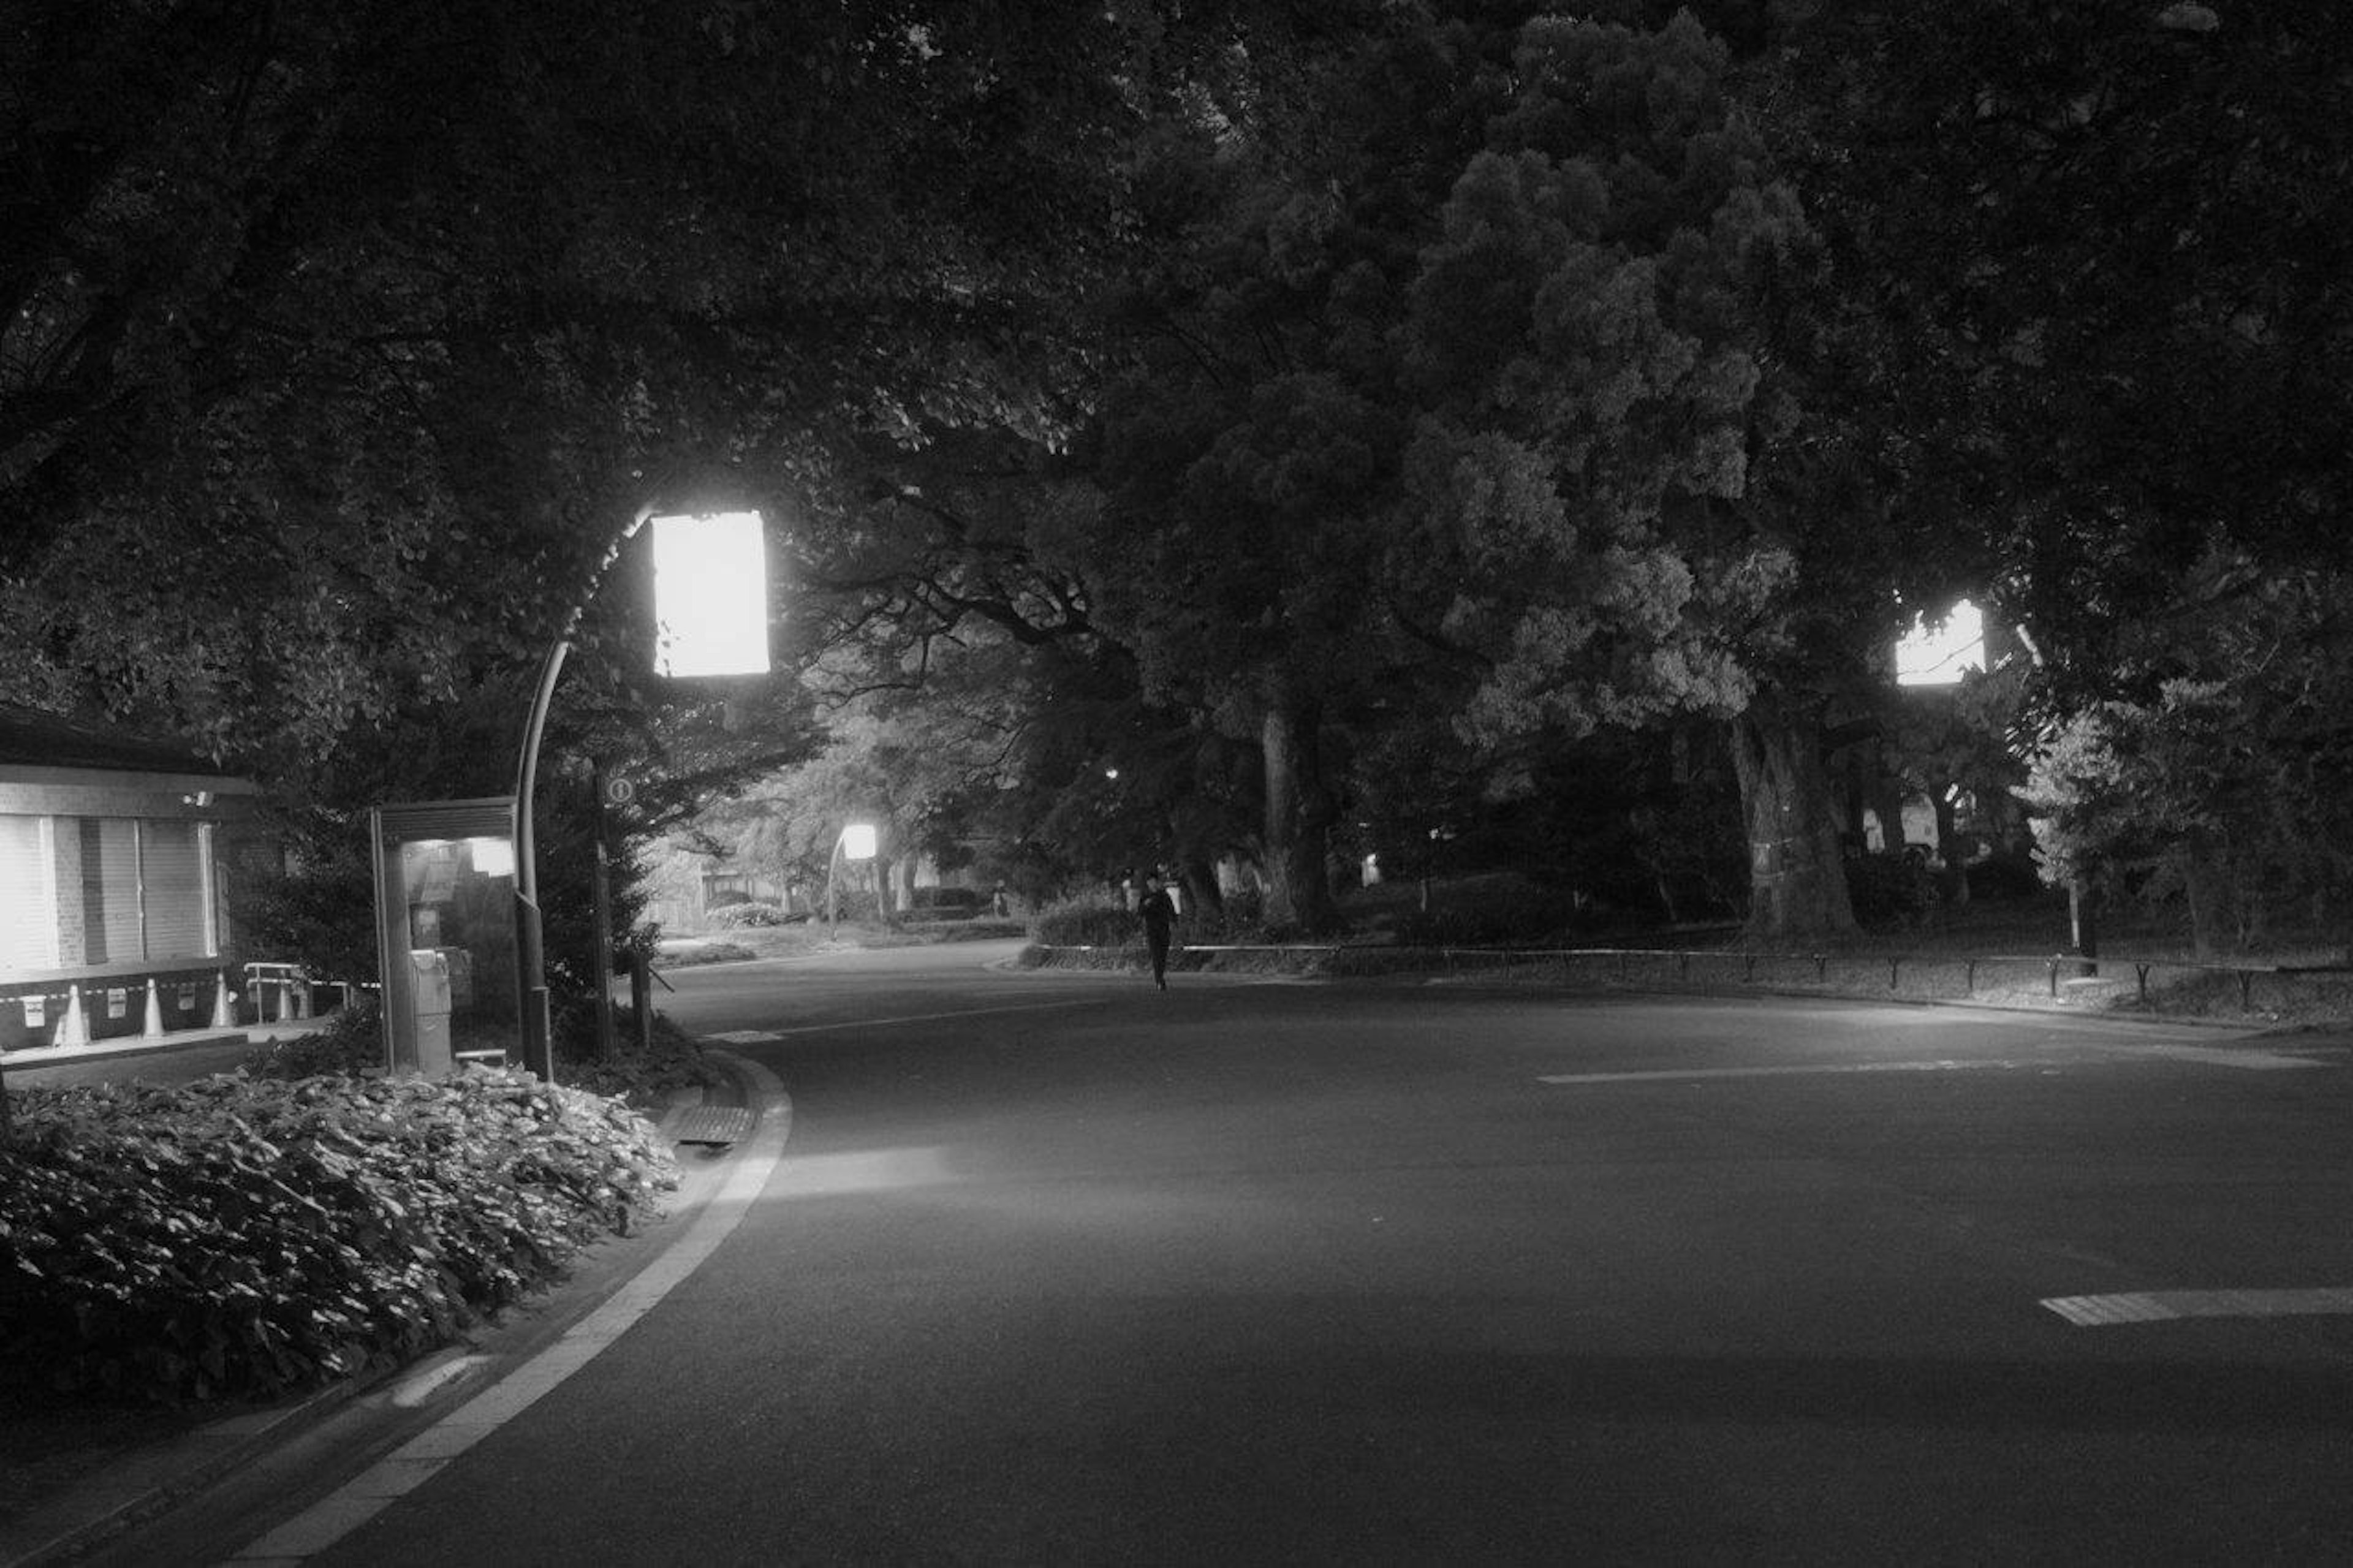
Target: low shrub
pixel 674 1061
pixel 1891 890
pixel 2005 876
pixel 351 1043
pixel 737 917
pixel 687 954
pixel 1086 922
pixel 1505 913
pixel 241 1238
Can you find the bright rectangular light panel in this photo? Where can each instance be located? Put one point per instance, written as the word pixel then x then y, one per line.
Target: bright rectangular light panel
pixel 1941 656
pixel 711 594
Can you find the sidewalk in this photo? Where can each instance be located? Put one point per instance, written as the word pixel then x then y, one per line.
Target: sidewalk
pixel 72 1477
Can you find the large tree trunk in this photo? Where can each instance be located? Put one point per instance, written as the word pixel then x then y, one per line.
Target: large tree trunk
pixel 1948 845
pixel 1298 818
pixel 1201 890
pixel 1796 881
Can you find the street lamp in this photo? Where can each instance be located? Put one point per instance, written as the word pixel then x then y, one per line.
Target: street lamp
pixel 854 842
pixel 711 615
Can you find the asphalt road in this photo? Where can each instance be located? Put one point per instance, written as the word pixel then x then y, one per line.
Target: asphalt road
pixel 1057 1268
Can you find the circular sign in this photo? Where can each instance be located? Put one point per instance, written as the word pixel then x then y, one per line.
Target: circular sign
pixel 619 791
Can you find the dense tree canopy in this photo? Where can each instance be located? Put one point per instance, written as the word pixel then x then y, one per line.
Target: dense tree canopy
pixel 385 322
pixel 1326 415
pixel 1473 417
pixel 2107 247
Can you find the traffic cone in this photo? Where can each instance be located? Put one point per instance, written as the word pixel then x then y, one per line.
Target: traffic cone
pixel 152 1029
pixel 72 1029
pixel 224 1009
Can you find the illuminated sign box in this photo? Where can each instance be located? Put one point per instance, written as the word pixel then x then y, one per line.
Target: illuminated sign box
pixel 711 594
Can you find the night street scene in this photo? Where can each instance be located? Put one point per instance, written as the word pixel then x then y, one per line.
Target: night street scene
pixel 1324 782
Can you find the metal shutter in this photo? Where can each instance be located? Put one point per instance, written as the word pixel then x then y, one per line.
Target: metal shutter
pixel 29 895
pixel 171 874
pixel 110 890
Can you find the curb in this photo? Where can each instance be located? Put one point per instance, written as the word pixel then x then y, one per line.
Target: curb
pixel 1485 979
pixel 140 1484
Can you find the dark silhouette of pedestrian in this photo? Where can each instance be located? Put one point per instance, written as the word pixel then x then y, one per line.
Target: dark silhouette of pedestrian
pixel 1159 916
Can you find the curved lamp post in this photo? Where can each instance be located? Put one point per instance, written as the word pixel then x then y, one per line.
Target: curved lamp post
pixel 711 615
pixel 854 842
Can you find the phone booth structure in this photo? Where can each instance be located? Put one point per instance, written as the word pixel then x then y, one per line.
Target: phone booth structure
pixel 445 891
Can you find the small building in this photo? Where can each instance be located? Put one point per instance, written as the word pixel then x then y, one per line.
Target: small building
pixel 116 854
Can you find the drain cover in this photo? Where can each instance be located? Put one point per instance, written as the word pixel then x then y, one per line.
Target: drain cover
pixel 721 1124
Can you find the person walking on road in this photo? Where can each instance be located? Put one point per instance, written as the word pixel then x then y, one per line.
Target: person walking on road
pixel 1159 916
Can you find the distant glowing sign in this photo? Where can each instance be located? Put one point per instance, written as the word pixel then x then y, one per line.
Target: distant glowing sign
pixel 1941 655
pixel 858 841
pixel 491 857
pixel 711 594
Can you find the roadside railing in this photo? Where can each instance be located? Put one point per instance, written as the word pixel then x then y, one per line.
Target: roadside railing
pixel 2056 971
pixel 282 992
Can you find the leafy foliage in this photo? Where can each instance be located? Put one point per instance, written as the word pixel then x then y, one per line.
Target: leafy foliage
pixel 2104 246
pixel 1506 912
pixel 672 1059
pixel 239 1238
pixel 1086 922
pixel 2223 794
pixel 736 917
pixel 350 1044
pixel 1891 890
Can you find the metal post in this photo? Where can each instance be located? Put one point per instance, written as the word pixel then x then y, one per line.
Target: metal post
pixel 602 890
pixel 530 957
pixel 641 1000
pixel 2082 926
pixel 832 904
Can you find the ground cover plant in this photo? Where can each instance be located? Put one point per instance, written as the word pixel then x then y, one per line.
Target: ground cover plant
pixel 245 1238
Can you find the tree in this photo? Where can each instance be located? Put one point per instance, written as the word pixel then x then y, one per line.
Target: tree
pixel 2223 794
pixel 1479 425
pixel 339 341
pixel 2108 242
pixel 379 325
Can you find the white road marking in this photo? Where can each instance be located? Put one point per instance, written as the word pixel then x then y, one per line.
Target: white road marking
pixel 1669 1074
pixel 746 1037
pixel 921 1018
pixel 2205 1056
pixel 2250 1061
pixel 422 1457
pixel 2163 1306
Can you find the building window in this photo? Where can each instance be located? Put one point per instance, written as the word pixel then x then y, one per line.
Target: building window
pixel 28 894
pixel 77 891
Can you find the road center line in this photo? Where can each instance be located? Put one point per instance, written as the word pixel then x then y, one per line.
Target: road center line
pixel 1666 1073
pixel 928 1018
pixel 2204 1055
pixel 2163 1306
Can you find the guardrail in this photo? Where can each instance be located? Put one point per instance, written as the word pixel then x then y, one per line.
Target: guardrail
pixel 294 990
pixel 2053 965
pixel 2085 966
